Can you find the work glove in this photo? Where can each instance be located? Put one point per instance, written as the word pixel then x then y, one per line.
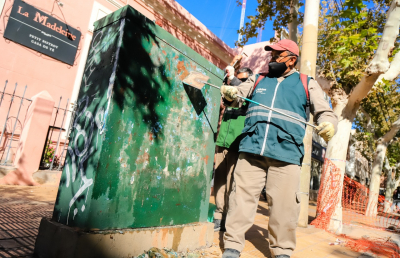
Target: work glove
pixel 230 72
pixel 229 92
pixel 326 130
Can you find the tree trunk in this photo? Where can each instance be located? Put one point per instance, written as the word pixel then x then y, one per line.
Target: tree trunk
pixel 337 151
pixel 391 184
pixel 351 163
pixel 379 156
pixel 337 147
pixel 376 179
pixel 345 108
pixel 369 126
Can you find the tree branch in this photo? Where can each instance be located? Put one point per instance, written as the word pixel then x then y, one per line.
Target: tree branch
pixel 393 71
pixel 368 124
pixel 387 165
pixel 387 138
pixel 323 82
pixel 360 91
pixel 380 62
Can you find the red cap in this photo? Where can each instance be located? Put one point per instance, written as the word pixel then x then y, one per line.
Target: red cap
pixel 284 44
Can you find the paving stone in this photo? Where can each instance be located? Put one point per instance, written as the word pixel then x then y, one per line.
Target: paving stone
pixel 19 226
pixel 19 223
pixel 19 252
pixel 4 235
pixel 5 254
pixel 9 244
pixel 20 219
pixel 28 242
pixel 23 232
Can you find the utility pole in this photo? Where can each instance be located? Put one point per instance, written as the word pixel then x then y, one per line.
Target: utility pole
pixel 242 18
pixel 308 66
pixel 259 37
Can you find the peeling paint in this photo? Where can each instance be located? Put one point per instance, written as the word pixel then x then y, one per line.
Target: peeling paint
pixel 182 71
pixel 157 147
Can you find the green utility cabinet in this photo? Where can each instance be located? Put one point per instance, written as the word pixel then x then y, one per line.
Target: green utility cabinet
pixel 141 149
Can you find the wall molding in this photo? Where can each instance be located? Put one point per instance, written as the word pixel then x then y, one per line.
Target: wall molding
pixel 2 2
pixel 115 3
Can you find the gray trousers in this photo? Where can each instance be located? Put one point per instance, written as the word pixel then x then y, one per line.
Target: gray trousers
pixel 282 181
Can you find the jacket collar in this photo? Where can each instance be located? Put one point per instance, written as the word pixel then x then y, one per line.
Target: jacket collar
pixel 280 79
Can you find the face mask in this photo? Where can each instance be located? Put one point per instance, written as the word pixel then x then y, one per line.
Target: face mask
pixel 276 69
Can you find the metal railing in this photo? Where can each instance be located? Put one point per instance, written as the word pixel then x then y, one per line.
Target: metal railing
pixel 55 161
pixel 9 127
pixel 55 146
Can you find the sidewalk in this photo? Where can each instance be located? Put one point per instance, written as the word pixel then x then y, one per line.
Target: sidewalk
pixel 21 209
pixel 311 242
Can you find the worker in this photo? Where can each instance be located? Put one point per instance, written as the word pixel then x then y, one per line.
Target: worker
pixel 271 150
pixel 227 150
pixel 232 80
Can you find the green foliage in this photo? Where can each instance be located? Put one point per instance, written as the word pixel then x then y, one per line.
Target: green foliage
pixel 348 37
pixel 349 34
pixel 278 11
pixel 49 153
pixel 393 152
pixel 383 106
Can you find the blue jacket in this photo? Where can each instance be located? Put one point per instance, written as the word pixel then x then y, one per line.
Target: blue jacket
pixel 271 134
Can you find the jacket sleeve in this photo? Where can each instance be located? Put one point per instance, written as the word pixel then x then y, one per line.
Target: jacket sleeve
pixel 245 89
pixel 320 108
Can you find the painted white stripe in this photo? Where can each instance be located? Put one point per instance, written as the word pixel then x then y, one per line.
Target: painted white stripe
pixel 269 119
pixel 261 109
pixel 112 77
pixel 277 116
pixel 64 41
pixel 25 23
pixel 43 32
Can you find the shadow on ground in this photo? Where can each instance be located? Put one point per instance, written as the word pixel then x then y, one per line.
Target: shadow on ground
pixel 21 209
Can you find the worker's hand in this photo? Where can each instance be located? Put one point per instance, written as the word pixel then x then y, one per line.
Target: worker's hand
pixel 230 72
pixel 326 130
pixel 229 92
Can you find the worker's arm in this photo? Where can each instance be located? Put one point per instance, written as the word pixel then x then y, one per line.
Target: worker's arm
pixel 320 108
pixel 234 82
pixel 245 89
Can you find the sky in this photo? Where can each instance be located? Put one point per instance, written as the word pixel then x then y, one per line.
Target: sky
pixel 222 17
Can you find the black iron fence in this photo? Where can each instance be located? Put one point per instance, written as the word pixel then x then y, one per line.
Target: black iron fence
pixel 12 127
pixel 13 111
